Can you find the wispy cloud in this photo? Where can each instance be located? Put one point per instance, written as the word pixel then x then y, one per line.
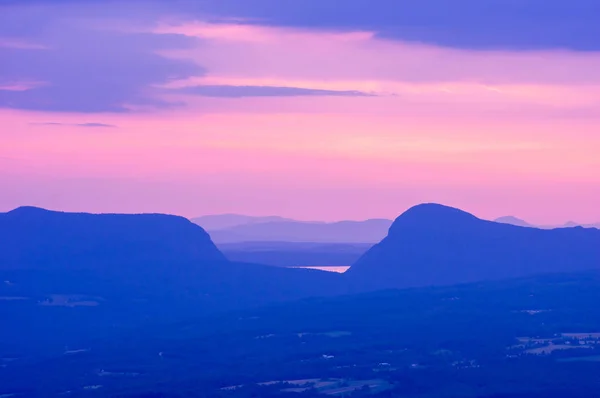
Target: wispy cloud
pixel 90 125
pixel 227 91
pixel 20 44
pixel 20 85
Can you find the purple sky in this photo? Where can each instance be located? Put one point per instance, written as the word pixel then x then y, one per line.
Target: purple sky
pixel 313 109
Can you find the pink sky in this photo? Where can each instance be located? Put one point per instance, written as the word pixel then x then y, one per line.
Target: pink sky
pixel 493 132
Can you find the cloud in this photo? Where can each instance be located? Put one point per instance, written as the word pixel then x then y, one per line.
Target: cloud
pixel 96 125
pixel 91 125
pixel 468 24
pixel 84 57
pixel 86 66
pixel 471 24
pixel 252 55
pixel 228 91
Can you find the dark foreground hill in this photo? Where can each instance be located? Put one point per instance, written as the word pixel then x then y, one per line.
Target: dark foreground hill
pixel 70 275
pixel 533 337
pixel 34 238
pixel 432 244
pixel 141 255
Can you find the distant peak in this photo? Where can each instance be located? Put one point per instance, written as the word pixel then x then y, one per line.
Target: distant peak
pixel 509 218
pixel 513 221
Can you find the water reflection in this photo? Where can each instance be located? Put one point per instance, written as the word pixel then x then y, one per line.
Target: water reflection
pixel 339 269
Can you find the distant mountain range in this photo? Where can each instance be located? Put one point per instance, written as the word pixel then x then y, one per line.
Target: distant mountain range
pixel 230 228
pixel 224 221
pixel 431 244
pixel 236 228
pixel 522 223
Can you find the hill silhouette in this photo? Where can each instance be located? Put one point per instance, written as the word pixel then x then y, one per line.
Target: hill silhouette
pixel 76 274
pixel 34 238
pixel 141 255
pixel 432 244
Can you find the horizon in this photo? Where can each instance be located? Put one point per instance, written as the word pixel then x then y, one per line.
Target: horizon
pixel 289 219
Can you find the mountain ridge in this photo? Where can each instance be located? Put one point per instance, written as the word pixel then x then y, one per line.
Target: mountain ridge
pixel 522 223
pixel 215 222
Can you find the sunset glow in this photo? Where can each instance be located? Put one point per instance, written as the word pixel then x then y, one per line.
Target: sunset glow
pixel 303 122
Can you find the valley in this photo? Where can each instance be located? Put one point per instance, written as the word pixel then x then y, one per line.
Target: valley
pixel 148 306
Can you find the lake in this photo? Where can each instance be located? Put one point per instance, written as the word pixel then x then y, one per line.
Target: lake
pixel 337 268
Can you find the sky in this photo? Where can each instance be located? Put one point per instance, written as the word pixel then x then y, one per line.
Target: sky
pixel 312 109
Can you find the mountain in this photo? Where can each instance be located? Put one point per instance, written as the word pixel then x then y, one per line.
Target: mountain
pixel 514 221
pixel 141 254
pixel 431 244
pixel 66 276
pixel 34 238
pixel 223 221
pixel 369 231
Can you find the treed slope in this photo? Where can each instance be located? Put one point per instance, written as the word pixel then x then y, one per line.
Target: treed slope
pixel 432 244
